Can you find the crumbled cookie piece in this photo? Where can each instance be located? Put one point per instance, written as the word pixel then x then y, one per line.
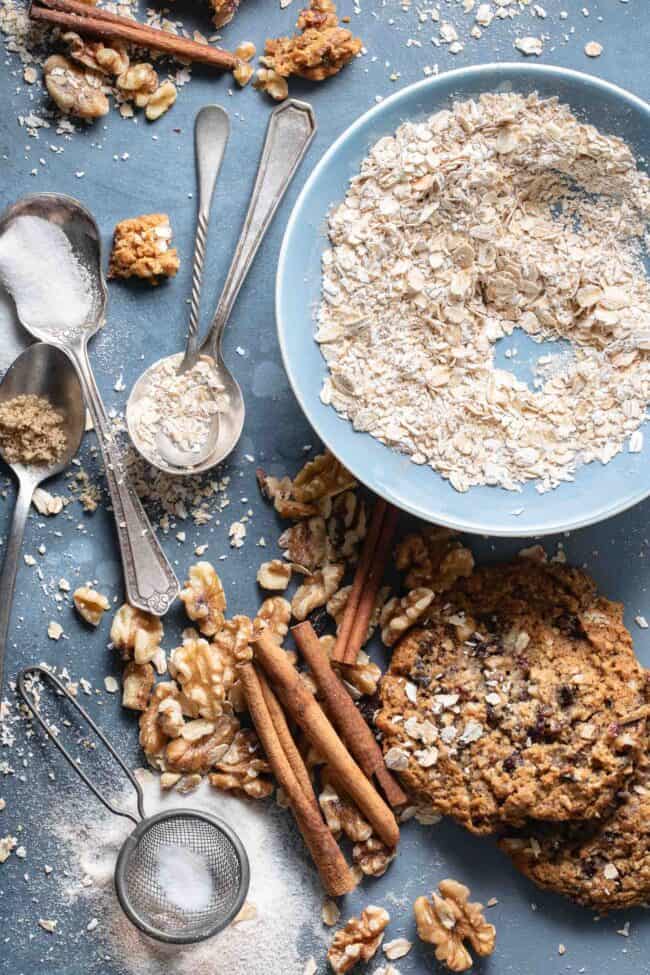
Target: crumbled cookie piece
pixel 141 248
pixel 448 920
pixel 75 91
pixel 136 634
pixel 321 50
pixel 521 699
pixel 137 682
pixel 204 598
pixel 359 940
pixel 90 604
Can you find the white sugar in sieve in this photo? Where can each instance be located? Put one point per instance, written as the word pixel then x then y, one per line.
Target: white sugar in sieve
pixel 140 884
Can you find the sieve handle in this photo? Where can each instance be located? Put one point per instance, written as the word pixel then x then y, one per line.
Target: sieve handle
pixel 29 700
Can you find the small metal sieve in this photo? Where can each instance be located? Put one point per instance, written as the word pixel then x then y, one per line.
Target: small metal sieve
pixel 138 883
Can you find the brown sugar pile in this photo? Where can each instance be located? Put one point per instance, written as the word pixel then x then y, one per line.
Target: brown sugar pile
pixel 31 431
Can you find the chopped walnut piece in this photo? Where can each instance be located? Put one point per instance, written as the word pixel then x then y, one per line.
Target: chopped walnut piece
pixel 274 575
pixel 94 54
pixel 399 615
pixel 204 598
pixel 243 72
pixel 316 590
pixel 305 544
pixel 136 634
pixel 205 674
pixel 224 11
pixel 137 681
pixel 364 675
pixel 243 769
pixel 434 559
pixel 372 856
pixel 161 101
pixel 448 920
pixel 138 83
pixel 272 83
pixel 320 51
pixel 183 755
pixel 341 815
pixel 322 477
pixel 170 717
pixel 346 526
pixel 274 614
pixel 359 940
pixel 90 604
pixel 75 91
pixel 279 490
pixel 141 249
pixel 152 736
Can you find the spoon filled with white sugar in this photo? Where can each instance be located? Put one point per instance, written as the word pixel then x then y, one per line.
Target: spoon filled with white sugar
pixel 50 263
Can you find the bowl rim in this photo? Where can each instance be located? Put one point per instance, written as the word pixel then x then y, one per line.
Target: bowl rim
pixel 469 525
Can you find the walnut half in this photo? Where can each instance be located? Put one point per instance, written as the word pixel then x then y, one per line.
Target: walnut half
pixel 136 634
pixel 359 940
pixel 204 598
pixel 448 920
pixel 75 90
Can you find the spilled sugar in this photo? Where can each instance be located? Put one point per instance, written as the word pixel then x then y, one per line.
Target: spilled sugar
pixel 284 899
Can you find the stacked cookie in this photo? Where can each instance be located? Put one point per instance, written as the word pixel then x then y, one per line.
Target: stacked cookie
pixel 520 710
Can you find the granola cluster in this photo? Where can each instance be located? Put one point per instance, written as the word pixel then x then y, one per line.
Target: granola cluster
pixel 321 50
pixel 141 248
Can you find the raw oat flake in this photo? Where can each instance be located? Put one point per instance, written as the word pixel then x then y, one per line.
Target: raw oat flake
pixel 503 213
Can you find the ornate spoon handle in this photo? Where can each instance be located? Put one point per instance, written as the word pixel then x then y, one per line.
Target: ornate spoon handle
pixel 148 577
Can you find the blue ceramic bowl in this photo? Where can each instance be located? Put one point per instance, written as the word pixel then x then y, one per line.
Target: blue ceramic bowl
pixel 598 491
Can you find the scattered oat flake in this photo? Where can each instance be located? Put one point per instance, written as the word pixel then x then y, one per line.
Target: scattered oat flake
pixel 530 46
pixel 641 621
pixel 593 49
pixel 48 925
pixel 625 930
pixel 111 684
pixel 561 949
pixel 397 948
pixel 310 965
pixel 54 630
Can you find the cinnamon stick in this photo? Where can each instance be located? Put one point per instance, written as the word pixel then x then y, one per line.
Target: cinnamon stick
pixel 301 705
pixel 285 737
pixel 369 592
pixel 335 874
pixel 104 25
pixel 359 581
pixel 346 717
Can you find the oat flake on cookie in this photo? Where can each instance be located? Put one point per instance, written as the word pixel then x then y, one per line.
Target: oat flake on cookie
pixel 504 212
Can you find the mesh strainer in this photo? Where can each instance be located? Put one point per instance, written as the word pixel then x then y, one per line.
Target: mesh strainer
pixel 141 890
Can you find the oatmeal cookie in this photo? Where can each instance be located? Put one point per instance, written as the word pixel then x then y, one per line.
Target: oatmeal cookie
pixel 604 866
pixel 522 698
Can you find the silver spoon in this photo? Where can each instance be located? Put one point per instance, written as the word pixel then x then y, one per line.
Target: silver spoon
pixel 149 579
pixel 41 370
pixel 290 130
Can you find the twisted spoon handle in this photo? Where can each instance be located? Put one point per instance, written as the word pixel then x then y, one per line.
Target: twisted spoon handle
pixel 148 577
pixel 291 128
pixel 211 131
pixel 10 564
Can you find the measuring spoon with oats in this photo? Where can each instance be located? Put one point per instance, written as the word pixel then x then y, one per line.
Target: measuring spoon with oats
pixel 42 418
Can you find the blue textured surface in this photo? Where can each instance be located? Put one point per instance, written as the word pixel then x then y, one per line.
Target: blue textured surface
pixel 143 324
pixel 598 491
